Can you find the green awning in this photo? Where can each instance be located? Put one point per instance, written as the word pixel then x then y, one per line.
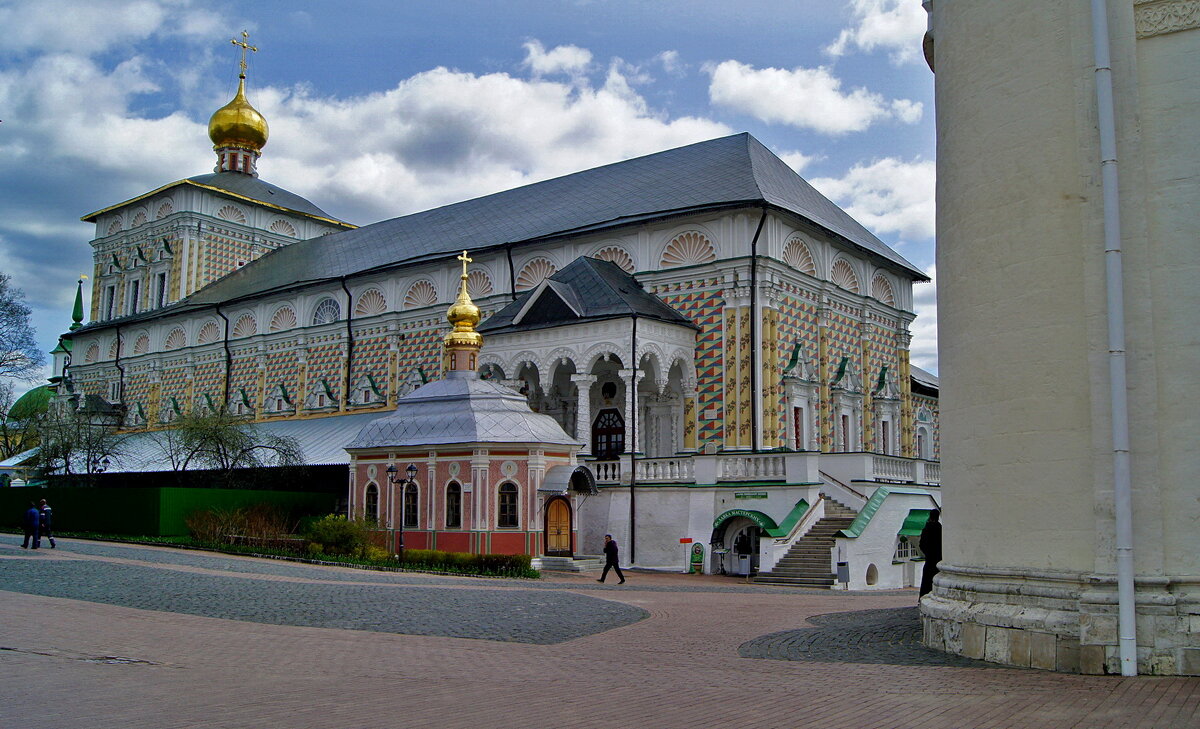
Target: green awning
pixel 914 522
pixel 762 520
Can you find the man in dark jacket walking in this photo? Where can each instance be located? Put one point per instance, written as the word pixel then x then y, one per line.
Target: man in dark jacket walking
pixel 44 530
pixel 32 520
pixel 610 559
pixel 931 546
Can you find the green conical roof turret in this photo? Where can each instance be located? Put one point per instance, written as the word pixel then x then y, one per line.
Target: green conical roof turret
pixel 77 312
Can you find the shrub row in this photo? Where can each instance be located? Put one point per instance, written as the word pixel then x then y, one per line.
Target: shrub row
pixel 338 538
pixel 511 565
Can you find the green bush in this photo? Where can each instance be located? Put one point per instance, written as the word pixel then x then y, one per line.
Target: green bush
pixel 335 534
pixel 512 565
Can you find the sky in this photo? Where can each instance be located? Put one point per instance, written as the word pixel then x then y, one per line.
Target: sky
pixel 380 108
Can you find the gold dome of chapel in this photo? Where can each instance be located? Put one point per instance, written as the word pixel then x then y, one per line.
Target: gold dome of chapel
pixel 238 124
pixel 463 315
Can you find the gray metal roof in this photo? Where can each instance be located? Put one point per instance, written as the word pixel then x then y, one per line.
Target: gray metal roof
pixel 557 480
pixel 256 189
pixel 321 442
pixel 586 289
pixel 924 377
pixel 239 185
pixel 461 408
pixel 734 170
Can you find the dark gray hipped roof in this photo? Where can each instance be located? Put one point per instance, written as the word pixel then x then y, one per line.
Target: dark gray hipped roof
pixel 734 170
pixel 924 380
pixel 460 409
pixel 256 189
pixel 586 290
pixel 242 186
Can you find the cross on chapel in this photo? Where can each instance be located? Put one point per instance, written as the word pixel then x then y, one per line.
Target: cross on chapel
pixel 245 45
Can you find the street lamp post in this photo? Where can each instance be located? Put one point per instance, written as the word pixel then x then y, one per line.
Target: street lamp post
pixel 395 479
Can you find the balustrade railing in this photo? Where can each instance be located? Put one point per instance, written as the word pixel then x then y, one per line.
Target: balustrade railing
pixel 933 473
pixel 751 467
pixel 886 468
pixel 666 470
pixel 606 471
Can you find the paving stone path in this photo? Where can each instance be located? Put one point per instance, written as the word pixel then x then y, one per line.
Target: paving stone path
pixel 890 636
pixel 122 637
pixel 523 616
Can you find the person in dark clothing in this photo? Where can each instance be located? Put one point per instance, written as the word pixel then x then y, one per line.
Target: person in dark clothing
pixel 931 546
pixel 44 524
pixel 32 520
pixel 610 559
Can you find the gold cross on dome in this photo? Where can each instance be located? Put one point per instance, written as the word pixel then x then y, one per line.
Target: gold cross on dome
pixel 465 260
pixel 244 43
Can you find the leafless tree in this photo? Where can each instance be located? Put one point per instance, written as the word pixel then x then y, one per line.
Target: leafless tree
pixel 73 443
pixel 20 356
pixel 224 442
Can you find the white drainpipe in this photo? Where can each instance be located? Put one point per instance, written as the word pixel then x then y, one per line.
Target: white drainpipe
pixel 1114 282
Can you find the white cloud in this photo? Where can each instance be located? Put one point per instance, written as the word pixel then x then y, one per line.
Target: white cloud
pixel 798 160
pixel 894 25
pixel 671 63
pixel 443 135
pixel 887 196
pixel 97 25
pixel 560 59
pixel 809 98
pixel 923 350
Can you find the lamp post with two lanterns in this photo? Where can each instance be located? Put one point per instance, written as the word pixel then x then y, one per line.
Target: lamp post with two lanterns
pixel 396 480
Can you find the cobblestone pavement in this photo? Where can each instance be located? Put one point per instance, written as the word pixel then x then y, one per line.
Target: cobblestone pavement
pixel 102 635
pixel 890 635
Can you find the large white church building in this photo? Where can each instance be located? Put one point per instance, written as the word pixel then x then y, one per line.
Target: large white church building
pixel 726 348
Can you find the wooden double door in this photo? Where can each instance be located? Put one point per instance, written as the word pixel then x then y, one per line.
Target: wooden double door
pixel 558 528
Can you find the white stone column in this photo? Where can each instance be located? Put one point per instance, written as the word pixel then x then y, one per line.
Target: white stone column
pixel 583 409
pixel 480 487
pixel 630 412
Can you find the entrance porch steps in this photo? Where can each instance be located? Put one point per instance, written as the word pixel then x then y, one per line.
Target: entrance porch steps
pixel 581 563
pixel 807 563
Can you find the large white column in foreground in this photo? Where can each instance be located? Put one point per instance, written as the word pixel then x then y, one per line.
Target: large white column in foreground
pixel 1029 570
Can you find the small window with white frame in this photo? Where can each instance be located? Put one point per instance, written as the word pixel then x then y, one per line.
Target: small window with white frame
pixel 906 549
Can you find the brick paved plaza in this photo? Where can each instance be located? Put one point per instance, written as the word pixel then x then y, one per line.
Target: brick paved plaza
pixel 101 635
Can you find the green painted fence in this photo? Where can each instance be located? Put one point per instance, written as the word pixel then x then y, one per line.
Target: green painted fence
pixel 154 511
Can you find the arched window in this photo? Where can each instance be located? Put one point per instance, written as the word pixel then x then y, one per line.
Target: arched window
pixel 923 443
pixel 453 506
pixel 371 504
pixel 608 434
pixel 327 312
pixel 507 516
pixel 411 506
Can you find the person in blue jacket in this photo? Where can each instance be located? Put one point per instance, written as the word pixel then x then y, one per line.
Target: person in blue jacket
pixel 44 525
pixel 33 519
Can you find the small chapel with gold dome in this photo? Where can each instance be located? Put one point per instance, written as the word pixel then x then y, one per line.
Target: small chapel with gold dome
pixel 693 350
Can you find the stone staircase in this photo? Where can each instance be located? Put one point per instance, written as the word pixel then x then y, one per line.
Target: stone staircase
pixel 807 563
pixel 580 563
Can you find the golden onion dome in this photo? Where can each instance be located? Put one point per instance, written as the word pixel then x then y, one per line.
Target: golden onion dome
pixel 238 124
pixel 463 315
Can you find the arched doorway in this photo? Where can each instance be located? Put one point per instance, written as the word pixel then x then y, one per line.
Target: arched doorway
pixel 608 434
pixel 558 527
